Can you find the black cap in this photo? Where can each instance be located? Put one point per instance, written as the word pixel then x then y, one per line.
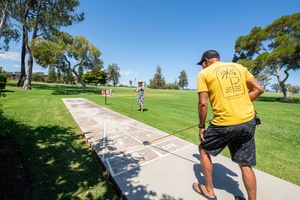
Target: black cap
pixel 209 54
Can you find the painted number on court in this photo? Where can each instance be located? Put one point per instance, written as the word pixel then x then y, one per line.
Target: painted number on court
pixel 169 146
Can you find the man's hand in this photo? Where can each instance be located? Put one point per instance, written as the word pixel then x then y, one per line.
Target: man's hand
pixel 201 135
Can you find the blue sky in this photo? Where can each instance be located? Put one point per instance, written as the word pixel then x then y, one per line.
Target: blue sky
pixel 139 35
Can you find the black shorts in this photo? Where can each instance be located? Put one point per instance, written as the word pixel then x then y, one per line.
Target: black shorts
pixel 239 139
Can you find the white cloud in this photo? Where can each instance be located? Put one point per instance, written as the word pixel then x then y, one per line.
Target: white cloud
pixel 15 56
pixel 127 72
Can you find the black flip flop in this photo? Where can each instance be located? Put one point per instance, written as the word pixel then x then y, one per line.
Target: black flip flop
pixel 202 193
pixel 239 198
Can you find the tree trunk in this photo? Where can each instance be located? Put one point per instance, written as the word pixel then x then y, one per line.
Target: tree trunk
pixel 82 83
pixel 23 55
pixel 4 18
pixel 83 86
pixel 286 95
pixel 27 84
pixel 30 57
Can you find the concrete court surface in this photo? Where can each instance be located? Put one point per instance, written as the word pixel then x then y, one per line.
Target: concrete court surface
pixel 166 169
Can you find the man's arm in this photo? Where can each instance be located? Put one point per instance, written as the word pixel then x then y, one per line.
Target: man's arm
pixel 202 111
pixel 255 89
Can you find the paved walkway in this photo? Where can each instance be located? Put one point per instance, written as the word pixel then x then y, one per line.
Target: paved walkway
pixel 166 169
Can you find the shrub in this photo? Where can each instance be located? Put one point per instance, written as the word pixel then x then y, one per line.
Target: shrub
pixel 2 81
pixel 296 99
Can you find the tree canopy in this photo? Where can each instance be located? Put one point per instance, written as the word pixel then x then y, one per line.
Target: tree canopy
pixel 275 48
pixel 8 30
pixel 158 81
pixel 95 76
pixel 61 50
pixel 113 74
pixel 36 18
pixel 263 78
pixel 183 79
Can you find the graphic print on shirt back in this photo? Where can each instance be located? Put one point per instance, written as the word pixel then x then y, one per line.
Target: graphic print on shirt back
pixel 229 78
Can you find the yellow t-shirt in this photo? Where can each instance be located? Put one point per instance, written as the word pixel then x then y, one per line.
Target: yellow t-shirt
pixel 228 92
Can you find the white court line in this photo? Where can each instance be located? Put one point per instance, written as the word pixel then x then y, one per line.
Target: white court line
pixel 167 154
pixel 129 135
pixel 152 149
pixel 111 171
pixel 149 146
pixel 151 130
pixel 103 139
pixel 153 160
pixel 140 129
pixel 156 152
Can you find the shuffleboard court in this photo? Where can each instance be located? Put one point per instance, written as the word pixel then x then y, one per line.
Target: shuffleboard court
pixel 166 168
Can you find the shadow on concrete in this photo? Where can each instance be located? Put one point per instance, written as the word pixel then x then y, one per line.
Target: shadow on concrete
pixel 130 164
pixel 126 162
pixel 222 173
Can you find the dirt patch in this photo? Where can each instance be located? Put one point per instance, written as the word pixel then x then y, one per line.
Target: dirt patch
pixel 14 181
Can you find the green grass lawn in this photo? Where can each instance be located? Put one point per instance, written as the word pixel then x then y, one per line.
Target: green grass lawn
pixel 61 164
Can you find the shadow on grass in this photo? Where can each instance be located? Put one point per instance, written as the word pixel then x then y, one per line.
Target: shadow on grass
pixel 4 91
pixel 59 164
pixel 277 99
pixel 67 89
pixel 269 99
pixel 70 91
pixel 61 89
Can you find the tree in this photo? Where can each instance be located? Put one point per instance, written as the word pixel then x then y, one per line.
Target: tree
pixel 158 81
pixel 4 15
pixel 68 77
pixel 8 30
pixel 113 74
pixel 276 87
pixel 8 75
pixel 62 49
pixel 59 76
pixel 80 71
pixel 275 47
pixel 263 78
pixel 37 77
pixel 14 9
pixel 40 18
pixel 130 83
pixel 95 76
pixel 294 89
pixel 50 16
pixel 171 86
pixel 183 79
pixel 51 75
pixel 3 80
pixel 2 83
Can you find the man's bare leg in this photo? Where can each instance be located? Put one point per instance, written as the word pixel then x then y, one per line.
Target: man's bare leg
pixel 206 165
pixel 249 180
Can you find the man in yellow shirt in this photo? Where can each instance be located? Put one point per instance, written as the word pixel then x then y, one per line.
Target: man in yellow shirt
pixel 231 89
